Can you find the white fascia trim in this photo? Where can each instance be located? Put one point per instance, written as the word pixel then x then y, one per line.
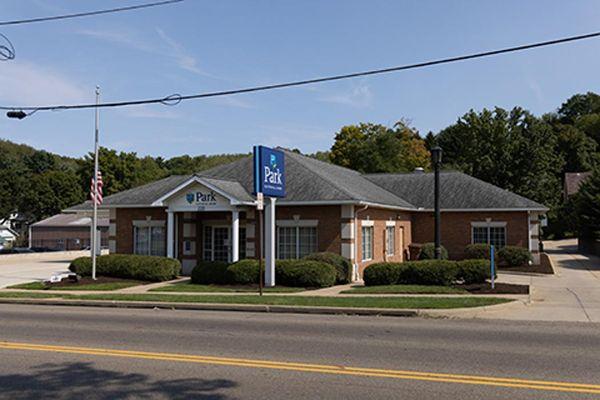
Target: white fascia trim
pixel 300 222
pixel 484 224
pixel 482 209
pixel 195 179
pixel 342 202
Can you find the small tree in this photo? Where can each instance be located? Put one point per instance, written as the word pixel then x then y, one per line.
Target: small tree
pixel 588 207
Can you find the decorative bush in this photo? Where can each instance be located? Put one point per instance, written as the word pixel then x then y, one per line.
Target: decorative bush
pixel 384 273
pixel 480 251
pixel 428 272
pixel 513 256
pixel 210 272
pixel 304 273
pixel 243 272
pixel 473 271
pixel 342 265
pixel 129 266
pixel 428 252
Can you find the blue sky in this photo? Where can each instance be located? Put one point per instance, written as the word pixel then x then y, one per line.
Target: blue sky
pixel 198 46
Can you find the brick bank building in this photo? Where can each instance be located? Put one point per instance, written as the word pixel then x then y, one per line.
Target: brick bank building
pixel 364 217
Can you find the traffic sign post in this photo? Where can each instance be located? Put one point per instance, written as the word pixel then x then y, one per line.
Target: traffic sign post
pixel 492 266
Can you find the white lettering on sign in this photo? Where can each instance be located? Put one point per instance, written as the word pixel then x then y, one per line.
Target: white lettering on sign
pixel 273 177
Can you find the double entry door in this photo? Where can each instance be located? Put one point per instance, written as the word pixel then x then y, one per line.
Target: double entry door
pixel 217 243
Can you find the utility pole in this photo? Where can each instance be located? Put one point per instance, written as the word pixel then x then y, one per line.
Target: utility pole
pixel 95 194
pixel 436 160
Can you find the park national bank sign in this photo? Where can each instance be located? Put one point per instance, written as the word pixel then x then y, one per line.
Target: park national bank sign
pixel 269 172
pixel 202 198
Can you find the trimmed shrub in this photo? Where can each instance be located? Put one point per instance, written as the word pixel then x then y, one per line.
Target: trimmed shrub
pixel 428 272
pixel 341 264
pixel 384 273
pixel 304 273
pixel 428 252
pixel 129 266
pixel 513 256
pixel 243 272
pixel 473 271
pixel 479 251
pixel 210 272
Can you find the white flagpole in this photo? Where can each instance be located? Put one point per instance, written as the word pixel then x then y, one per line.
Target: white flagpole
pixel 95 194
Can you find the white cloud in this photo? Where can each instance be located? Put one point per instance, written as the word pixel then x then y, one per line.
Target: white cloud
pixel 166 47
pixel 360 96
pixel 28 84
pixel 123 38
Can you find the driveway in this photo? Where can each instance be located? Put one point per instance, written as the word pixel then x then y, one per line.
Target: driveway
pixel 21 268
pixel 572 294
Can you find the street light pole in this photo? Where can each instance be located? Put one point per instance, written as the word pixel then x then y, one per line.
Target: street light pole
pixel 95 194
pixel 436 160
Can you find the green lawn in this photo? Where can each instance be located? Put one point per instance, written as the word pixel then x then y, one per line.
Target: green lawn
pixel 196 288
pixel 108 286
pixel 410 289
pixel 364 302
pixel 20 295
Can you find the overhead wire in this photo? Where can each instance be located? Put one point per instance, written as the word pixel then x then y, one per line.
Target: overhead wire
pixel 88 13
pixel 7 50
pixel 177 98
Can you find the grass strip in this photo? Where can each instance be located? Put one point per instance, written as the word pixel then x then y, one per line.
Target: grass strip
pixel 408 289
pixel 108 286
pixel 25 295
pixel 364 302
pixel 196 288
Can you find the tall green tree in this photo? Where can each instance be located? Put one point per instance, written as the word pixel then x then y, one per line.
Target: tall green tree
pixel 372 148
pixel 588 207
pixel 511 149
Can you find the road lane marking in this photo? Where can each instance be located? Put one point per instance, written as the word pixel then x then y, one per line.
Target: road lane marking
pixel 318 368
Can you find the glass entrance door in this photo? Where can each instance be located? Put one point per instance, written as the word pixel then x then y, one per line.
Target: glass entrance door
pixel 221 243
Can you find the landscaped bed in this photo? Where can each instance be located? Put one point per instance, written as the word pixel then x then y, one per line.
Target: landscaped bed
pixel 85 283
pixel 475 288
pixel 533 269
pixel 188 287
pixel 316 301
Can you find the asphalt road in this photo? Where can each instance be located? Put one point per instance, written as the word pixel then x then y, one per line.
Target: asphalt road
pixel 93 353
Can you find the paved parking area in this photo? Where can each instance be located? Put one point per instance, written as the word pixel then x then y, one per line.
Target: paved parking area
pixel 573 294
pixel 23 268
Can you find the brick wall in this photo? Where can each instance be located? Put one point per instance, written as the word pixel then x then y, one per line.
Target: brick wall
pixel 328 231
pixel 64 238
pixel 456 229
pixel 124 225
pixel 403 235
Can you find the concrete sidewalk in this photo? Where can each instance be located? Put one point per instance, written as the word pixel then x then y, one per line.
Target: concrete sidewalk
pixel 573 294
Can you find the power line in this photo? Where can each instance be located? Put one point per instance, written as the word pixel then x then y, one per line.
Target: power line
pixel 89 13
pixel 176 98
pixel 7 50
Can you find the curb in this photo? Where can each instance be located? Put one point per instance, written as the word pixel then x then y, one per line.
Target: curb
pixel 217 307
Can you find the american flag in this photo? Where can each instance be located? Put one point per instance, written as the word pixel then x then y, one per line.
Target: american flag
pixel 97 199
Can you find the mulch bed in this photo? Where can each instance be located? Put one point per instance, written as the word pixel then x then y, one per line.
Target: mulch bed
pixel 535 269
pixel 87 280
pixel 500 288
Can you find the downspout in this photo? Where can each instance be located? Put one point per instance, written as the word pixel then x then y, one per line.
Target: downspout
pixel 355 274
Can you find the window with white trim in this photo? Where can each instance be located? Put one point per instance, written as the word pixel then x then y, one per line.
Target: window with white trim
pixel 390 235
pixel 296 241
pixel 367 243
pixel 493 234
pixel 149 240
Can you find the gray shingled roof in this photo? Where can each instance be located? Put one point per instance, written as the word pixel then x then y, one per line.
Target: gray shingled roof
pixel 458 191
pixel 69 221
pixel 308 179
pixel 311 180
